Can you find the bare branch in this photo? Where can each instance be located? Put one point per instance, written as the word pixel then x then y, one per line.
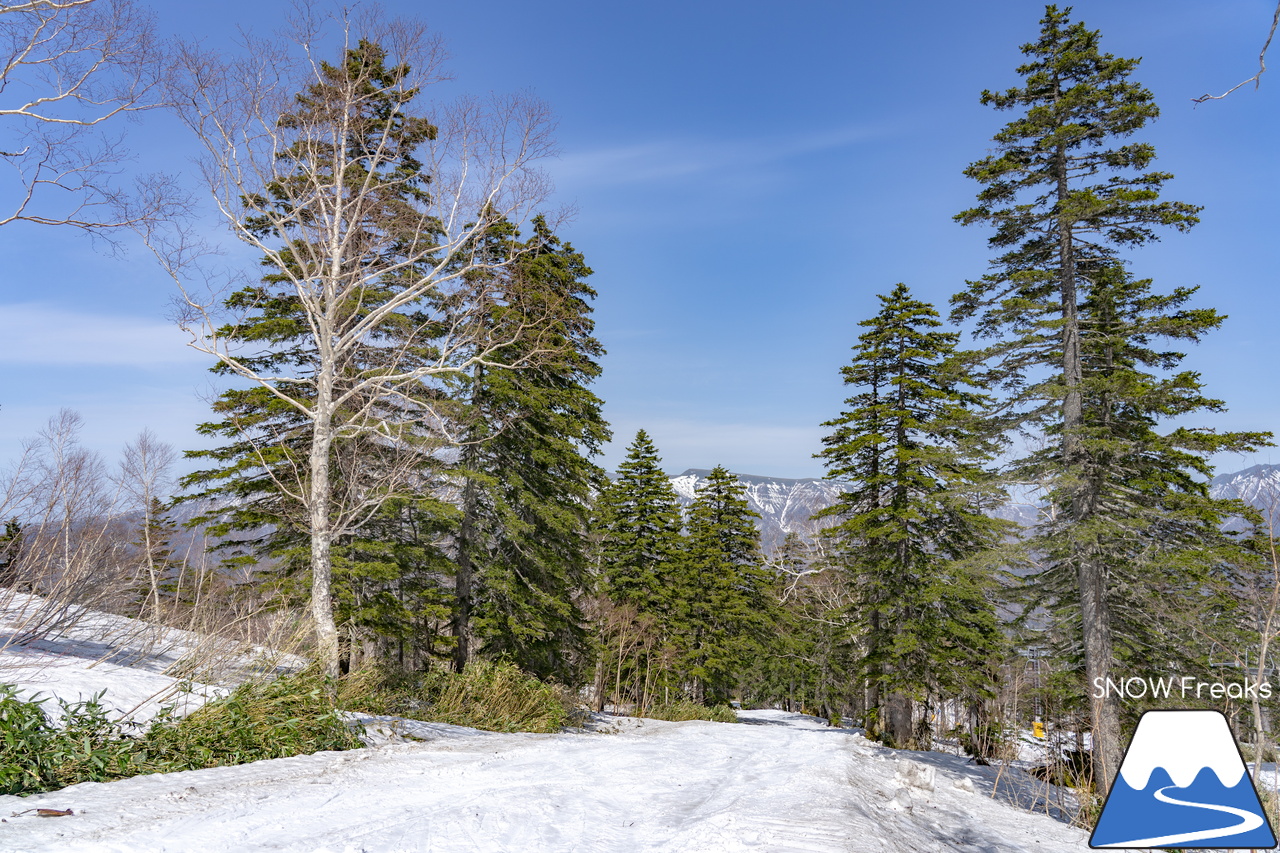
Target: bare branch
pixel 69 69
pixel 1256 79
pixel 374 211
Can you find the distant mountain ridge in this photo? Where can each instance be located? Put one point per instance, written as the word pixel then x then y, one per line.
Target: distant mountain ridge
pixel 1258 486
pixel 786 505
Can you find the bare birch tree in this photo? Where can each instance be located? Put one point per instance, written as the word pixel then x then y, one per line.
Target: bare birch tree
pixel 69 71
pixel 368 219
pixel 146 480
pixel 74 553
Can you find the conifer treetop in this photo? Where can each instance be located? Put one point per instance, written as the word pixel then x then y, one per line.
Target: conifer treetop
pixel 1063 167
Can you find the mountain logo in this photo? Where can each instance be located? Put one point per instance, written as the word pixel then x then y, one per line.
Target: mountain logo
pixel 1183 784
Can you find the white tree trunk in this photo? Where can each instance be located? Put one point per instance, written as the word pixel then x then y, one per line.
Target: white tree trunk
pixel 320 498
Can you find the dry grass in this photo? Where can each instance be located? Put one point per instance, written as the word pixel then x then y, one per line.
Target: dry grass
pixel 496 697
pixel 682 710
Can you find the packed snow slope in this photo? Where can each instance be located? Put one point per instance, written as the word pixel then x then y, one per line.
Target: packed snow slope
pixel 783 782
pixel 777 782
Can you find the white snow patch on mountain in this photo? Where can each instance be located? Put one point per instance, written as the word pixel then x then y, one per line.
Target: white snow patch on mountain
pixel 784 505
pixel 1258 486
pixel 787 505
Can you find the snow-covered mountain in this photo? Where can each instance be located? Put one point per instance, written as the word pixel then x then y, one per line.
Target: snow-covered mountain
pixel 1022 508
pixel 787 505
pixel 1258 486
pixel 784 505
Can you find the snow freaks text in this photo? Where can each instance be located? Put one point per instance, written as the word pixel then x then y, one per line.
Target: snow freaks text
pixel 1184 687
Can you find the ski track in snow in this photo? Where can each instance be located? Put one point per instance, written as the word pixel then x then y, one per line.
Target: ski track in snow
pixel 779 783
pixel 790 784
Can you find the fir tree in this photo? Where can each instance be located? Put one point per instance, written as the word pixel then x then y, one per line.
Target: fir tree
pixel 10 550
pixel 639 544
pixel 912 524
pixel 157 561
pixel 1169 563
pixel 1064 193
pixel 718 602
pixel 336 429
pixel 391 582
pixel 527 477
pixel 639 518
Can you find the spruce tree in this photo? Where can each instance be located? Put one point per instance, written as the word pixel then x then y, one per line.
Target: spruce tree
pixel 157 563
pixel 1065 191
pixel 526 474
pixel 911 528
pixel 638 545
pixel 1168 560
pixel 390 576
pixel 10 550
pixel 639 517
pixel 718 600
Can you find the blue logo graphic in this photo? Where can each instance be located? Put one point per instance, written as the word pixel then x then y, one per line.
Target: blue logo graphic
pixel 1183 784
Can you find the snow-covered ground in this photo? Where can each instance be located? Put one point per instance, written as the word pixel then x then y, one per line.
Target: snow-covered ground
pixel 781 783
pixel 777 782
pixel 141 667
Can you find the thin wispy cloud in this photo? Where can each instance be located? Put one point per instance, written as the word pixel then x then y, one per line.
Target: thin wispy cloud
pixel 671 159
pixel 34 333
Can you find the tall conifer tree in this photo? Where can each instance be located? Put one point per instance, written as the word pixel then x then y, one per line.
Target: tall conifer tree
pixel 527 475
pixel 1064 192
pixel 719 609
pixel 10 548
pixel 911 527
pixel 330 337
pixel 639 517
pixel 639 543
pixel 1151 518
pixel 156 560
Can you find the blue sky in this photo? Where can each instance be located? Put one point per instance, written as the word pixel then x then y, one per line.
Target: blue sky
pixel 747 177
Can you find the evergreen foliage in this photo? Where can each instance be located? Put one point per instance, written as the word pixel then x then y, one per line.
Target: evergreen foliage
pixel 719 606
pixel 391 583
pixel 10 551
pixel 805 662
pixel 160 571
pixel 419 538
pixel 1170 567
pixel 334 343
pixel 527 479
pixel 1065 192
pixel 912 527
pixel 639 517
pixel 389 577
